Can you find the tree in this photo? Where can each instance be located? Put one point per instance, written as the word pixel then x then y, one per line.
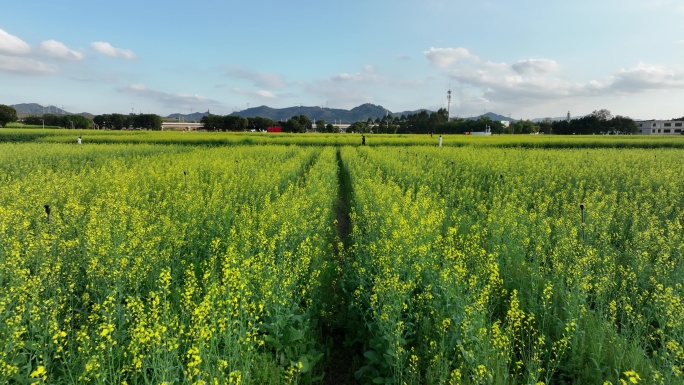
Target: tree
pixel 439 117
pixel 260 124
pixel 418 123
pixel 148 121
pixel 103 120
pixel 358 127
pixel 331 129
pixel 320 125
pixel 121 121
pixel 7 114
pixel 623 125
pixel 561 127
pixel 76 121
pixel 524 127
pixel 546 126
pixel 299 123
pixel 33 120
pixel 234 123
pixel 385 125
pixel 602 114
pixel 211 122
pixel 113 121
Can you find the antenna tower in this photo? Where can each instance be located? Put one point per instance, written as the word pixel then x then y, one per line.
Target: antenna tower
pixel 449 104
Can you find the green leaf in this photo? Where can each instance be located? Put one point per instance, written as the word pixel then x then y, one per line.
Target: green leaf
pixel 29 345
pixel 295 335
pixel 306 366
pixel 315 358
pixel 372 356
pixel 359 373
pixel 20 359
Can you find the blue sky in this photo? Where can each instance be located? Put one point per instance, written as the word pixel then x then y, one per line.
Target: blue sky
pixel 526 58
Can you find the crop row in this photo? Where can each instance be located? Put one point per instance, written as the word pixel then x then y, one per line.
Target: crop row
pixel 163 266
pixel 518 266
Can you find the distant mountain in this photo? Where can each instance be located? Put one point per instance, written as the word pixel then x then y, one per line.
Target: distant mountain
pixel 194 117
pixel 556 119
pixel 493 116
pixel 37 109
pixel 407 113
pixel 86 115
pixel 330 115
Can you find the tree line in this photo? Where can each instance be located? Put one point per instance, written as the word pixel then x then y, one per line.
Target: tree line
pixel 422 122
pixel 64 121
pixel 121 121
pixel 299 123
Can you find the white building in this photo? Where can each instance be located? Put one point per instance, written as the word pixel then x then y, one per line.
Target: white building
pixel 660 127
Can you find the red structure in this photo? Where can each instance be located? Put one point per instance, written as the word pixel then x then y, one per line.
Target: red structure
pixel 275 129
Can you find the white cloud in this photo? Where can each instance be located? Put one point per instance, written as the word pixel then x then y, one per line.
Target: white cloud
pixel 25 66
pixel 266 94
pixel 446 57
pixel 647 77
pixel 138 87
pixel 350 89
pixel 12 45
pixel 368 76
pixel 358 77
pixel 260 79
pixel 109 50
pixel 537 66
pixel 261 94
pixel 338 95
pixel 541 79
pixel 58 50
pixel 170 100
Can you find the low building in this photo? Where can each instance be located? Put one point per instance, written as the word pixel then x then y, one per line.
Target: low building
pixel 173 126
pixel 660 127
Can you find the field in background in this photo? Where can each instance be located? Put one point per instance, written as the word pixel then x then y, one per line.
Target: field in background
pixel 229 138
pixel 312 259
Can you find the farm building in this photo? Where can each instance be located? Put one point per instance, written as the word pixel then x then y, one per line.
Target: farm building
pixel 660 127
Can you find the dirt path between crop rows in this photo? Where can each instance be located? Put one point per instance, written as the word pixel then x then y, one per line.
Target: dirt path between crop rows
pixel 340 369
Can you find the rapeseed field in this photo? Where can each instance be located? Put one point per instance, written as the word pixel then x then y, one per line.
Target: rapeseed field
pixel 143 259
